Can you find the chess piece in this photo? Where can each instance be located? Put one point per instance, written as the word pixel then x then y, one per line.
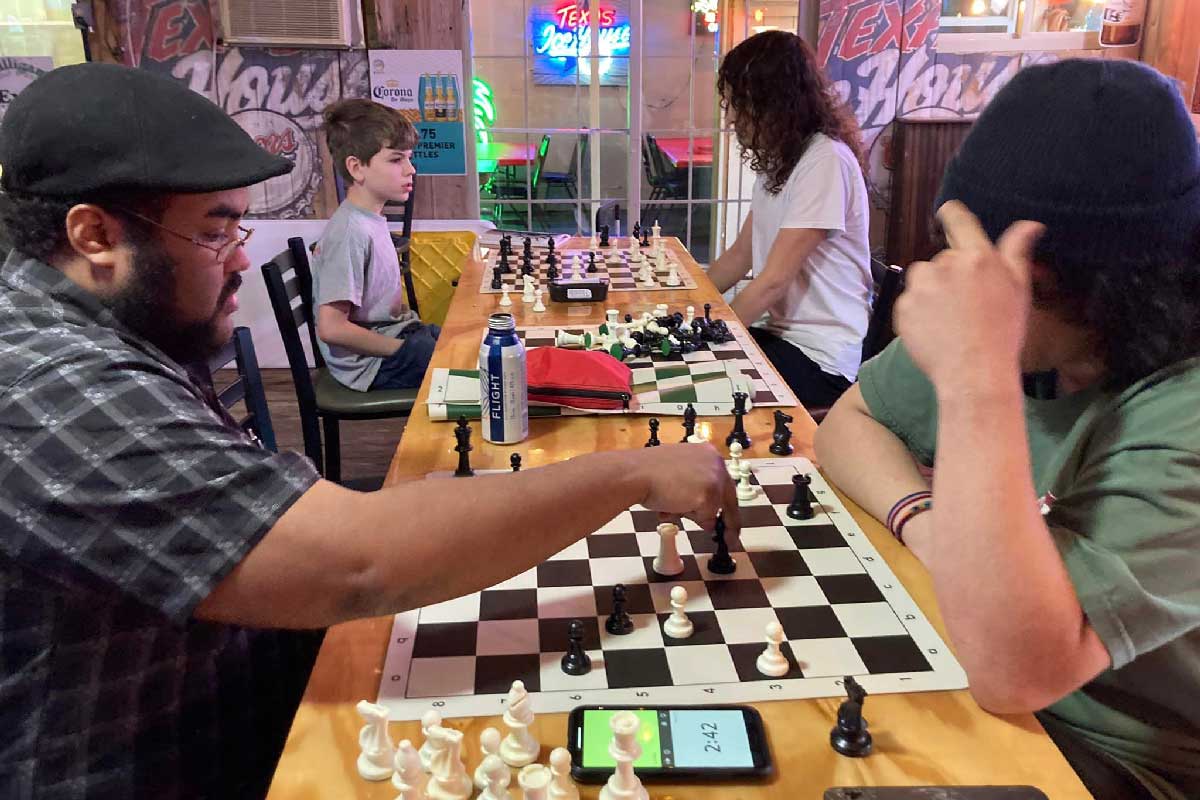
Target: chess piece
pixel 449 780
pixel 721 563
pixel 624 784
pixel 738 434
pixel 689 423
pixel 519 747
pixel 489 745
pixel 678 626
pixel 619 623
pixel 603 236
pixel 534 780
pixel 497 777
pixel 408 778
pixel 375 746
pixel 782 435
pixel 850 736
pixel 656 231
pixel 462 437
pixel 673 276
pixel 653 441
pixel 593 242
pixel 527 295
pixel 746 490
pixel 505 300
pixel 668 562
pixel 772 662
pixel 612 317
pixel 801 505
pixel 734 464
pixel 690 315
pixel 576 661
pixel 591 266
pixel 538 305
pixel 515 461
pixel 496 282
pixel 430 719
pixel 561 786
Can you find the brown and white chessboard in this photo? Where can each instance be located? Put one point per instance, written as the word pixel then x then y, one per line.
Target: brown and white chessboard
pixel 842 609
pixel 612 264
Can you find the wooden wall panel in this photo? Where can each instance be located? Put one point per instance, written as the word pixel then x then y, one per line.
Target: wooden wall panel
pixel 922 148
pixel 425 25
pixel 1171 44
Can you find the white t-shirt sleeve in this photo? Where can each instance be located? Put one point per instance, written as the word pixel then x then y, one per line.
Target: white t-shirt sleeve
pixel 817 190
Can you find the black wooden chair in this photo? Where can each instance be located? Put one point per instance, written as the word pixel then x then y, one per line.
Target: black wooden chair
pixel 247 388
pixel 665 183
pixel 518 190
pixel 567 180
pixel 323 402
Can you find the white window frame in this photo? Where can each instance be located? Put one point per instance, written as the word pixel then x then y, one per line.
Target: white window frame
pixel 1022 37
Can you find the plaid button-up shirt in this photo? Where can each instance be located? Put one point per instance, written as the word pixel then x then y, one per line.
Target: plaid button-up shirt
pixel 125 498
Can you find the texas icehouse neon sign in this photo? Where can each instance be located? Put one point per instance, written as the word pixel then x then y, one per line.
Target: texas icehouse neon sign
pixel 569 35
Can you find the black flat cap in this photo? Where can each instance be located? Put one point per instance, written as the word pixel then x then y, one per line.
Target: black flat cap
pixel 88 128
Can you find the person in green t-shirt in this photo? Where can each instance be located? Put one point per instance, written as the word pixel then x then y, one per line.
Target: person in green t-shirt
pixel 1063 530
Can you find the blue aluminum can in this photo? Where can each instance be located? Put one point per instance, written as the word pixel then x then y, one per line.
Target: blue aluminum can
pixel 503 387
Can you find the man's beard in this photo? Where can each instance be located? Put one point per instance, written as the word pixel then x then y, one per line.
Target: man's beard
pixel 147 307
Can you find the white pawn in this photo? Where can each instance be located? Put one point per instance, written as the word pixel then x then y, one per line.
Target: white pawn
pixel 538 305
pixel 534 780
pixel 655 232
pixel 668 562
pixel 505 300
pixel 449 780
pixel 376 749
pixel 430 719
pixel 497 777
pixel 408 778
pixel 612 316
pixel 673 276
pixel 527 295
pixel 772 662
pixel 735 461
pixel 678 626
pixel 562 787
pixel 745 489
pixel 593 242
pixel 624 784
pixel 519 747
pixel 690 315
pixel 489 745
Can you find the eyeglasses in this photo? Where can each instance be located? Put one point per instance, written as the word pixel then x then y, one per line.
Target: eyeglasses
pixel 221 244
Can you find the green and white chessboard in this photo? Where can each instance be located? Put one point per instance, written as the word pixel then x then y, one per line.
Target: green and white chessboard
pixel 663 385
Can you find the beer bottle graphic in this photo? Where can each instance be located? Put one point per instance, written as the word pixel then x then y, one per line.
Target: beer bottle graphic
pixel 439 103
pixel 428 108
pixel 1122 25
pixel 452 111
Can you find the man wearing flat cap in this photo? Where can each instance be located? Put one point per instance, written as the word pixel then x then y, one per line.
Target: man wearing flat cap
pixel 163 579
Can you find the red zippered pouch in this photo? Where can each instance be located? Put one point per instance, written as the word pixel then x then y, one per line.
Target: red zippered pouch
pixel 578 379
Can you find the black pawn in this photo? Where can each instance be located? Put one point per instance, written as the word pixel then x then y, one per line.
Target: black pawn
pixel 850 736
pixel 653 441
pixel 496 283
pixel 576 661
pixel 636 233
pixel 462 437
pixel 527 247
pixel 591 267
pixel 515 460
pixel 689 422
pixel 738 434
pixel 781 437
pixel 618 623
pixel 721 563
pixel 645 237
pixel 801 505
pixel 708 313
pixel 603 236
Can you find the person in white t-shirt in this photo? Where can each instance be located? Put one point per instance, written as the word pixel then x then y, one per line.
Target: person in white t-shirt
pixel 805 239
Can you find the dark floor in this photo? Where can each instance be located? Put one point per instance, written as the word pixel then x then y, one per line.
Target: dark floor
pixel 367 446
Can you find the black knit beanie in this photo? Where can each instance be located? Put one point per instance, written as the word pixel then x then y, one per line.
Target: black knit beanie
pixel 1102 152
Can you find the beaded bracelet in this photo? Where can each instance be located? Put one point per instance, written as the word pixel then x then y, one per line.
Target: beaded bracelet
pixel 903 503
pixel 919 508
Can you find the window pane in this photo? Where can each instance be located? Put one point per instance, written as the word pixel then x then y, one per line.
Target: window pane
pixel 1071 15
pixel 496 28
pixel 504 77
pixel 978 16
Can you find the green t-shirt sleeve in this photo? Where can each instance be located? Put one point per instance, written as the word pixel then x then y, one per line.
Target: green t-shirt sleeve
pixel 902 399
pixel 1128 528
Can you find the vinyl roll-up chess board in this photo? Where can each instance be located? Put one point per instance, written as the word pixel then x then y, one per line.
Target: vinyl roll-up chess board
pixel 662 384
pixel 842 610
pixel 612 265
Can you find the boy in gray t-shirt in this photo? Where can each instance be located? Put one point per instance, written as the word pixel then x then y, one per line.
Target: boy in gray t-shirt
pixel 368 336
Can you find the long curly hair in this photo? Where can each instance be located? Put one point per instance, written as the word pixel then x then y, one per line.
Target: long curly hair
pixel 780 98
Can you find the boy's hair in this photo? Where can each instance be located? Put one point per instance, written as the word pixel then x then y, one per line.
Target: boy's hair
pixel 361 128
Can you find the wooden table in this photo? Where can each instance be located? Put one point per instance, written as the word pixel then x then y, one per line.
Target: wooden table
pixel 676 151
pixel 921 738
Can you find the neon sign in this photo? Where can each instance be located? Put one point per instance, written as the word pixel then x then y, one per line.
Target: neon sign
pixel 484 109
pixel 565 37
